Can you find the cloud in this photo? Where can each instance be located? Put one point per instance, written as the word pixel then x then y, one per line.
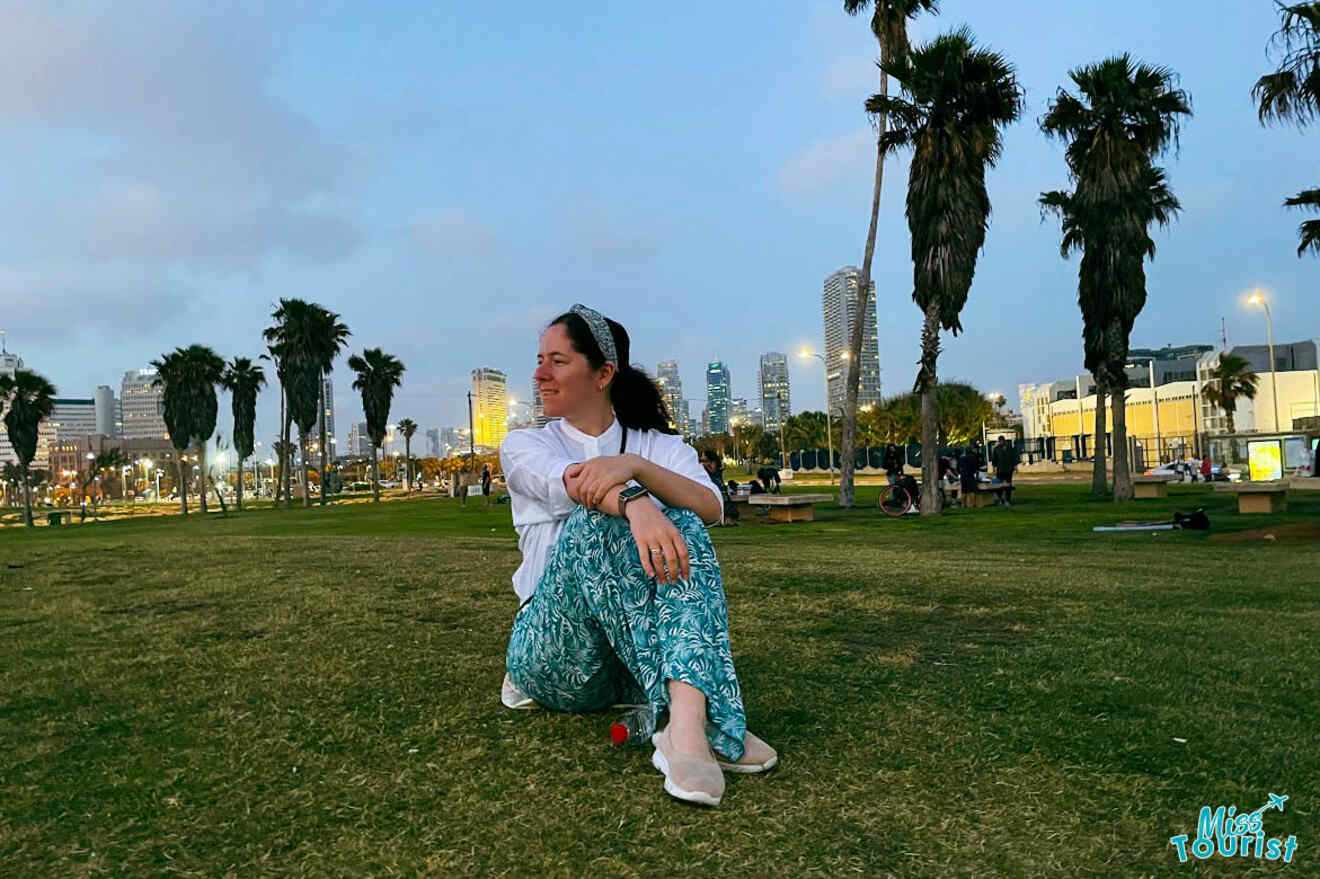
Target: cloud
pixel 163 140
pixel 452 233
pixel 826 162
pixel 57 304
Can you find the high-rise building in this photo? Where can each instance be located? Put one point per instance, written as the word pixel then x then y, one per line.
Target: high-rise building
pixel 359 441
pixel 328 413
pixel 738 412
pixel 718 397
pixel 433 443
pixel 73 419
pixel 839 303
pixel 142 405
pixel 489 406
pixel 108 422
pixel 671 389
pixel 538 407
pixel 453 441
pixel 775 406
pixel 9 363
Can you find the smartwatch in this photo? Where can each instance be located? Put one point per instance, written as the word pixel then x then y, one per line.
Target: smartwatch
pixel 631 493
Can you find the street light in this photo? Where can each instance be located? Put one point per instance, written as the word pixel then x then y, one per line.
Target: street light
pixel 829 427
pixel 1257 297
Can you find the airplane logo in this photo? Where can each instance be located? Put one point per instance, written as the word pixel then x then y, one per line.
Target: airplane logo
pixel 1276 802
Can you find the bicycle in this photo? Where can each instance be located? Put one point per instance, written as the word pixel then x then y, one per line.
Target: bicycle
pixel 898 500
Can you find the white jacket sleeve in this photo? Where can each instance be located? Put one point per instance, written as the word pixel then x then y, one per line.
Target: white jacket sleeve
pixel 682 459
pixel 534 473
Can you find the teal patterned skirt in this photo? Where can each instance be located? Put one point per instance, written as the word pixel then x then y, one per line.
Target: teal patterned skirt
pixel 598 631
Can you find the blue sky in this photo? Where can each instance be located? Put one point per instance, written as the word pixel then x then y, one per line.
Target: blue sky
pixel 448 176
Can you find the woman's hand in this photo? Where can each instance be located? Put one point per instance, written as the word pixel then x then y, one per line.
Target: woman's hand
pixel 593 479
pixel 662 550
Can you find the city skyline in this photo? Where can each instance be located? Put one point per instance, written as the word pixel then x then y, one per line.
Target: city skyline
pixel 373 169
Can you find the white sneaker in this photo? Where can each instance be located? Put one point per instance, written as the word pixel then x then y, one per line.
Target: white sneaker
pixel 514 698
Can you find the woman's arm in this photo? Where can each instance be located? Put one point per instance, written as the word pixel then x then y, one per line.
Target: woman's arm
pixel 596 484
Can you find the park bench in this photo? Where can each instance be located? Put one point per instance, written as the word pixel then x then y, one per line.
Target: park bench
pixel 986 494
pixel 56 518
pixel 790 507
pixel 1258 497
pixel 740 501
pixel 1150 487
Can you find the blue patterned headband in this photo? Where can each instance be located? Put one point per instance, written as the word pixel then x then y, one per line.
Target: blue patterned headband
pixel 600 331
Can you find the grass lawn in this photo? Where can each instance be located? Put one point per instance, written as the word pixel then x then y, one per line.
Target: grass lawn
pixel 993 692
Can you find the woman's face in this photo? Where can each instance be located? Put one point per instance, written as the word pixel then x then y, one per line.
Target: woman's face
pixel 565 379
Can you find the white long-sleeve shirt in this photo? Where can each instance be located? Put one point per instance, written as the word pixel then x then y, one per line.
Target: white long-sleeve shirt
pixel 534 461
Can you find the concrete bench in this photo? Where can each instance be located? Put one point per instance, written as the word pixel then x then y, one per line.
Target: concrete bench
pixel 1150 487
pixel 1258 497
pixel 790 507
pixel 739 501
pixel 1304 483
pixel 987 494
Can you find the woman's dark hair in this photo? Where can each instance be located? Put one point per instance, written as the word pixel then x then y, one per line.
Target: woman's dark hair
pixel 636 399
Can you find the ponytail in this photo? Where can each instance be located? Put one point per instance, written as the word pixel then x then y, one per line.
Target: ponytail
pixel 636 399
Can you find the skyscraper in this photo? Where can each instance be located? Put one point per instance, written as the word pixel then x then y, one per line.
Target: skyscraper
pixel 738 411
pixel 108 422
pixel 538 407
pixel 433 443
pixel 671 388
pixel 718 398
pixel 359 441
pixel 328 386
pixel 142 406
pixel 489 406
pixel 775 406
pixel 839 302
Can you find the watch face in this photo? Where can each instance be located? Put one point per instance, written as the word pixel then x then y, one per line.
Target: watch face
pixel 631 492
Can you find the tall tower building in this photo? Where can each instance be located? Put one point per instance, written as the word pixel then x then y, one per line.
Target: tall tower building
pixel 433 443
pixel 839 302
pixel 489 406
pixel 359 441
pixel 738 412
pixel 775 407
pixel 671 388
pixel 328 413
pixel 107 411
pixel 538 407
pixel 718 397
pixel 143 406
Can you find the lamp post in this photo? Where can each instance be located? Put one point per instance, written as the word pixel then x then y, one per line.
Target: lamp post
pixel 1258 298
pixel 829 427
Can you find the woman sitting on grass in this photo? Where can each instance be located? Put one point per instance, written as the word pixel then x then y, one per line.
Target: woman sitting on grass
pixel 622 600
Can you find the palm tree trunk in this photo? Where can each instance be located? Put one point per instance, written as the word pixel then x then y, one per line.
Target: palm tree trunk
pixel 286 473
pixel 306 483
pixel 201 473
pixel 407 464
pixel 848 442
pixel 183 483
pixel 1099 470
pixel 1122 466
pixel 27 498
pixel 375 476
pixel 240 485
pixel 927 381
pixel 279 483
pixel 321 396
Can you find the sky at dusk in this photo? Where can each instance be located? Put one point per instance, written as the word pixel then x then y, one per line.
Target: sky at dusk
pixel 448 176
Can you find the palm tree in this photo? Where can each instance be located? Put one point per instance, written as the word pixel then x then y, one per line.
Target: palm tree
pixel 297 339
pixel 28 399
pixel 109 460
pixel 378 374
pixel 189 376
pixel 1292 94
pixel 1231 380
pixel 243 379
pixel 958 98
pixel 1126 114
pixel 889 21
pixel 408 427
